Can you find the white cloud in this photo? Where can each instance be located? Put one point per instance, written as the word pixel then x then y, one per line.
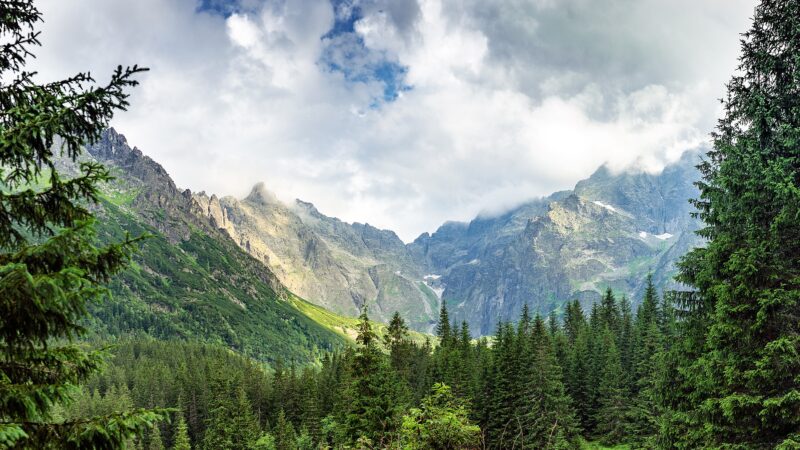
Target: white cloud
pixel 509 100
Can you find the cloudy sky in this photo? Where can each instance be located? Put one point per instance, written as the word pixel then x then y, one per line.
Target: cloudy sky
pixel 405 113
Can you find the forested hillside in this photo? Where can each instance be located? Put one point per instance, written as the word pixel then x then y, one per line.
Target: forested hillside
pixel 189 280
pixel 539 383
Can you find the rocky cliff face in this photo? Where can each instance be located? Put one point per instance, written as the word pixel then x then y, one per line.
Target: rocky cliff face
pixel 610 231
pixel 337 265
pixel 189 279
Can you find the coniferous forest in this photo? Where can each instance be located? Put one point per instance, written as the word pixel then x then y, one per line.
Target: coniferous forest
pixel 715 365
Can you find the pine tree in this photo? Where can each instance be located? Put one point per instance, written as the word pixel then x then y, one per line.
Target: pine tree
pixel 50 266
pixel 441 422
pixel 610 417
pixel 743 388
pixel 548 418
pixel 443 326
pixel 376 397
pixel 181 435
pixel 155 439
pixel 285 436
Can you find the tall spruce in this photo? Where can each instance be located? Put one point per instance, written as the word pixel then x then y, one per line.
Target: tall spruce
pixel 744 389
pixel 50 264
pixel 610 416
pixel 443 331
pixel 546 410
pixel 376 397
pixel 181 437
pixel 644 413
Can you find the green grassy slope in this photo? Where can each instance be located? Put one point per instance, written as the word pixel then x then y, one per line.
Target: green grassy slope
pixel 346 326
pixel 207 289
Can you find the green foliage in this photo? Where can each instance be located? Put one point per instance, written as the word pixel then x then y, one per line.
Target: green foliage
pixel 376 396
pixel 181 439
pixel 190 290
pixel 610 416
pixel 285 437
pixel 50 264
pixel 265 442
pixel 441 422
pixel 736 385
pixel 230 423
pixel 155 439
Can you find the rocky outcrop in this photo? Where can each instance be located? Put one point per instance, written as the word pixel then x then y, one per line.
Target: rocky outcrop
pixel 337 265
pixel 610 231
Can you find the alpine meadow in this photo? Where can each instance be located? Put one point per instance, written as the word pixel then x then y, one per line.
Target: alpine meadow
pixel 565 251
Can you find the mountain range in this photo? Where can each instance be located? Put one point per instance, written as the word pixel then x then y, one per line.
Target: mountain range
pixel 611 230
pixel 248 271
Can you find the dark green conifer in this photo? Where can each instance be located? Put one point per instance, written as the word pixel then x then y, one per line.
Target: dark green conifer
pixel 742 385
pixel 181 438
pixel 285 436
pixel 50 264
pixel 443 326
pixel 376 398
pixel 611 415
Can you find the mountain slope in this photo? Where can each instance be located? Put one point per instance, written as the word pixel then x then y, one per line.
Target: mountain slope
pixel 337 265
pixel 610 231
pixel 190 280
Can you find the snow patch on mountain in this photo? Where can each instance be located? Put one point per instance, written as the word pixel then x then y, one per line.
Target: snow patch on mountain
pixel 605 205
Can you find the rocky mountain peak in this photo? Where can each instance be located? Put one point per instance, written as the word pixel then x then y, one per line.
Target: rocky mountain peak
pixel 261 195
pixel 307 208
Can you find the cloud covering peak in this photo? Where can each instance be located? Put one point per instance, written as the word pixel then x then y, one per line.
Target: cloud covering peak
pixel 405 113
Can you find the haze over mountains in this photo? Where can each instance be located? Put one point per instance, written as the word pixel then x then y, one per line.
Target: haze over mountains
pixel 609 231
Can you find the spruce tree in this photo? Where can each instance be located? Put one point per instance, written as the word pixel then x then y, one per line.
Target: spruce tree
pixel 50 264
pixel 648 350
pixel 548 418
pixel 155 439
pixel 609 311
pixel 230 423
pixel 574 320
pixel 285 436
pixel 502 424
pixel 579 377
pixel 396 332
pixel 309 412
pixel 443 326
pixel 610 417
pixel 181 438
pixel 441 422
pixel 744 391
pixel 376 398
pixel 625 341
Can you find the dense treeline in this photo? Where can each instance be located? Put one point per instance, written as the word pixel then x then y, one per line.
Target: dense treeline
pixel 536 384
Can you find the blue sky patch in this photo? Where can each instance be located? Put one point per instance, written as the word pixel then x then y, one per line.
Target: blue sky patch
pixel 345 50
pixel 347 53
